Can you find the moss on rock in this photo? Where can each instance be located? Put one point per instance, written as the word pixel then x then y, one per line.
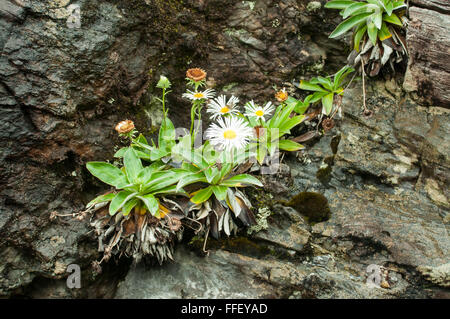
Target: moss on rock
pixel 314 206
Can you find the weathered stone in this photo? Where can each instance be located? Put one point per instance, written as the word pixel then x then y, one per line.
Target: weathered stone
pixel 220 275
pixel 386 177
pixel 286 229
pixel 63 86
pixel 391 225
pixel 439 275
pixel 369 145
pixel 428 72
pixel 436 5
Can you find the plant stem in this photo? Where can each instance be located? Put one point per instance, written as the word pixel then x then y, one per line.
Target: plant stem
pixel 164 105
pixel 367 112
pixel 364 84
pixel 194 105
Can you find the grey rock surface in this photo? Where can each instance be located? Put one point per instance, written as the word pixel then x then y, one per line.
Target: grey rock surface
pixel 386 178
pixel 428 72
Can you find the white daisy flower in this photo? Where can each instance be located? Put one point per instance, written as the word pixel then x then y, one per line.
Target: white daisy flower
pixel 220 106
pixel 229 133
pixel 206 94
pixel 253 110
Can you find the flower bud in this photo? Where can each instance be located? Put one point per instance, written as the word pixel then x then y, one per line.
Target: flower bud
pixel 281 95
pixel 196 74
pixel 163 83
pixel 124 127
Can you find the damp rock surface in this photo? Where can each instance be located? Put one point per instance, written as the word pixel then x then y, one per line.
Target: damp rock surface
pixel 386 178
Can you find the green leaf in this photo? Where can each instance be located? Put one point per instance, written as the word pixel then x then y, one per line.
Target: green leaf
pixel 120 200
pixel 305 85
pixel 225 170
pixel 325 82
pixel 317 96
pixel 133 165
pixel 377 19
pixel 301 107
pixel 166 134
pixel 389 7
pixel 120 153
pixel 191 179
pixel 372 31
pixel 145 146
pixel 273 145
pixel 141 139
pixel 169 190
pixel 101 199
pixel 358 36
pixel 341 75
pixel 261 153
pixel 158 153
pixel 290 146
pixel 348 24
pixel 338 4
pixel 282 117
pixel 275 115
pixel 151 203
pixel 126 209
pixel 290 100
pixel 241 181
pixel 393 18
pixel 211 173
pixel 108 173
pixel 184 151
pixel 384 33
pixel 292 122
pixel 189 167
pixel 145 175
pixel 352 8
pixel 220 191
pixel 399 3
pixel 327 103
pixel 161 180
pixel 202 195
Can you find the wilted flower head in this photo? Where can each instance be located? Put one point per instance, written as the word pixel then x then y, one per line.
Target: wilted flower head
pixel 124 127
pixel 220 106
pixel 229 133
pixel 174 224
pixel 281 95
pixel 327 124
pixel 196 74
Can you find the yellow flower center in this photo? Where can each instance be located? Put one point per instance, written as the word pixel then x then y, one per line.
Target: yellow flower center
pixel 225 109
pixel 198 95
pixel 229 134
pixel 259 113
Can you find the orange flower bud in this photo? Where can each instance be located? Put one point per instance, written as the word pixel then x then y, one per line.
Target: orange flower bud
pixel 124 127
pixel 281 95
pixel 196 74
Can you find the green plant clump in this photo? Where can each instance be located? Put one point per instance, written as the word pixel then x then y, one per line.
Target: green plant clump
pixel 182 181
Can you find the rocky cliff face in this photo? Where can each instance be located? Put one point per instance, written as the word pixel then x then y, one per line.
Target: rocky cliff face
pixel 63 86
